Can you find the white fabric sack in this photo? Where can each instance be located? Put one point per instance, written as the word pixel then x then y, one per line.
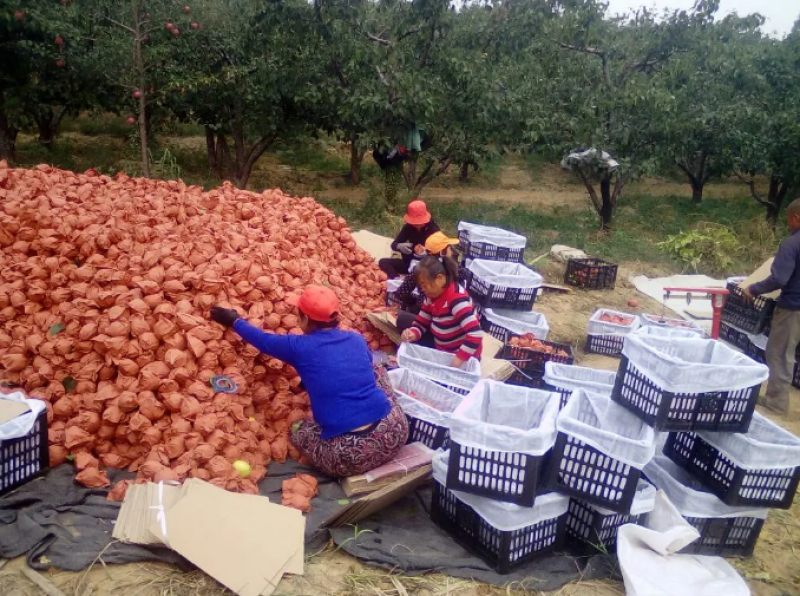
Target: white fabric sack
pixel 665 322
pixel 674 332
pixel 563 253
pixel 22 424
pixel 503 516
pixel 650 566
pixel 692 365
pixel 571 377
pixel 519 322
pixel 690 498
pixel 435 364
pixel 489 235
pixel 598 327
pixel 499 417
pixel 764 446
pixel 505 274
pixel 608 427
pixel 644 500
pixel 406 382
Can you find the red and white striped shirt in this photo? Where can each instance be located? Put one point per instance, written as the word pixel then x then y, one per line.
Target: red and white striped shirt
pixel 452 321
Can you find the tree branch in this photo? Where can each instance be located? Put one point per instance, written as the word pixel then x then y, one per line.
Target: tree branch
pixel 382 77
pixel 124 26
pixel 751 184
pixel 594 52
pixel 596 203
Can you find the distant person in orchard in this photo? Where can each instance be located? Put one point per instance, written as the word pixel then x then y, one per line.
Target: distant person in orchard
pixel 357 423
pixel 410 242
pixel 785 330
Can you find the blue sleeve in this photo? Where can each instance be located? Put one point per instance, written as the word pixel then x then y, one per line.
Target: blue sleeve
pixel 782 269
pixel 282 347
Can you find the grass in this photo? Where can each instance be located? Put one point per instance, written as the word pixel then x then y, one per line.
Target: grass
pixel 641 223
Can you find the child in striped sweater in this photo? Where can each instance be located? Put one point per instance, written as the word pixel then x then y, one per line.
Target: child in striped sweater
pixel 448 312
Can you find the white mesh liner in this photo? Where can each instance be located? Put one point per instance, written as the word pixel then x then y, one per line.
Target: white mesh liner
pixel 504 516
pixel 571 377
pixel 502 273
pixel 674 332
pixel 765 446
pixel 499 417
pixel 760 340
pixel 443 401
pixel 692 365
pixel 489 235
pixel 598 327
pixel 608 427
pixel 435 364
pixel 649 320
pixel 519 322
pixel 688 495
pixel 644 500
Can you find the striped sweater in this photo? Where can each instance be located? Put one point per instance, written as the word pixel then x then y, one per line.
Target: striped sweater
pixel 452 321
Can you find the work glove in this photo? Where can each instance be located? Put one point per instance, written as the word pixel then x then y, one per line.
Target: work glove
pixel 405 248
pixel 224 316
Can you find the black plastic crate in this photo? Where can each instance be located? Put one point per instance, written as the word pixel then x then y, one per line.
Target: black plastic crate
pixel 735 337
pixel 500 475
pixel 533 379
pixel 796 376
pixel 533 361
pixel 752 316
pixel 590 531
pixel 489 251
pixel 504 551
pixel 488 295
pixel 724 537
pixel 756 353
pixel 591 274
pixel 732 484
pixel 610 345
pixel 495 330
pixel 25 458
pixel 563 393
pixel 722 411
pixel 581 471
pixel 431 435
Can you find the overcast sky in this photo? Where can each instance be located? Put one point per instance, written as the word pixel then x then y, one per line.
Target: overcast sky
pixel 780 14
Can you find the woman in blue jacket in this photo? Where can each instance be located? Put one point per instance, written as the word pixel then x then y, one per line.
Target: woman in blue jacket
pixel 357 424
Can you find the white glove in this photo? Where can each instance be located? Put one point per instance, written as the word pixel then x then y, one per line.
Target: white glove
pixel 406 248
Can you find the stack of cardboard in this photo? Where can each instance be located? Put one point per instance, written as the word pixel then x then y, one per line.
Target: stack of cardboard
pixel 243 541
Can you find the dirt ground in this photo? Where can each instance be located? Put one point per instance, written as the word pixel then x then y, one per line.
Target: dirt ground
pixel 774 569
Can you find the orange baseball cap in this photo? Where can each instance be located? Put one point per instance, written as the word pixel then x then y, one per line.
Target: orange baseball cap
pixel 417 213
pixel 318 303
pixel 437 242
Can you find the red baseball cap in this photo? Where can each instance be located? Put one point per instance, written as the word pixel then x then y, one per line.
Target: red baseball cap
pixel 318 303
pixel 417 213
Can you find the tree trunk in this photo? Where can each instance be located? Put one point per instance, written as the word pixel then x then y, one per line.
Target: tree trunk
pixel 8 134
pixel 138 62
pixel 607 204
pixel 697 192
pixel 695 170
pixel 391 178
pixel 48 123
pixel 211 151
pixel 463 177
pixel 777 193
pixel 356 157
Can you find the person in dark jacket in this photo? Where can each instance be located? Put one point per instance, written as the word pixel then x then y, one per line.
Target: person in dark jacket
pixel 785 330
pixel 410 242
pixel 358 424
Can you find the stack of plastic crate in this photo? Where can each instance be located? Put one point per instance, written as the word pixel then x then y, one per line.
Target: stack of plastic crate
pixel 723 465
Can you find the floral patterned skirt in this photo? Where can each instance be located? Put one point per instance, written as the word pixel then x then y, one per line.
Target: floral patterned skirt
pixel 355 453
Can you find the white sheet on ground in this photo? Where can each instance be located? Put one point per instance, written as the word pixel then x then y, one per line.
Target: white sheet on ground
pixel 380 247
pixel 650 566
pixel 700 307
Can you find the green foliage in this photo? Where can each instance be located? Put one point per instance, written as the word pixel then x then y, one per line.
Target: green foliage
pixel 709 246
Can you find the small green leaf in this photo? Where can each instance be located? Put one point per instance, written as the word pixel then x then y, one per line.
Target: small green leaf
pixel 343 502
pixel 69 384
pixel 57 328
pixel 70 457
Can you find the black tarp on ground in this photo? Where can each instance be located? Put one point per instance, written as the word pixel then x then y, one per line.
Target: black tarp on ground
pixel 57 523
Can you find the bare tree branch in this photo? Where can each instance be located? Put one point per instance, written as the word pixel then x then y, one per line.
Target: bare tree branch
pixel 594 52
pixel 122 25
pixel 382 77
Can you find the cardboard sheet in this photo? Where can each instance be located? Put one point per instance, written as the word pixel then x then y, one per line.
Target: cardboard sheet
pixel 377 246
pixel 385 322
pixel 761 274
pixel 11 409
pixel 243 541
pixel 141 508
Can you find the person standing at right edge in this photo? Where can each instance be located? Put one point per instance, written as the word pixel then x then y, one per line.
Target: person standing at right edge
pixel 410 242
pixel 784 332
